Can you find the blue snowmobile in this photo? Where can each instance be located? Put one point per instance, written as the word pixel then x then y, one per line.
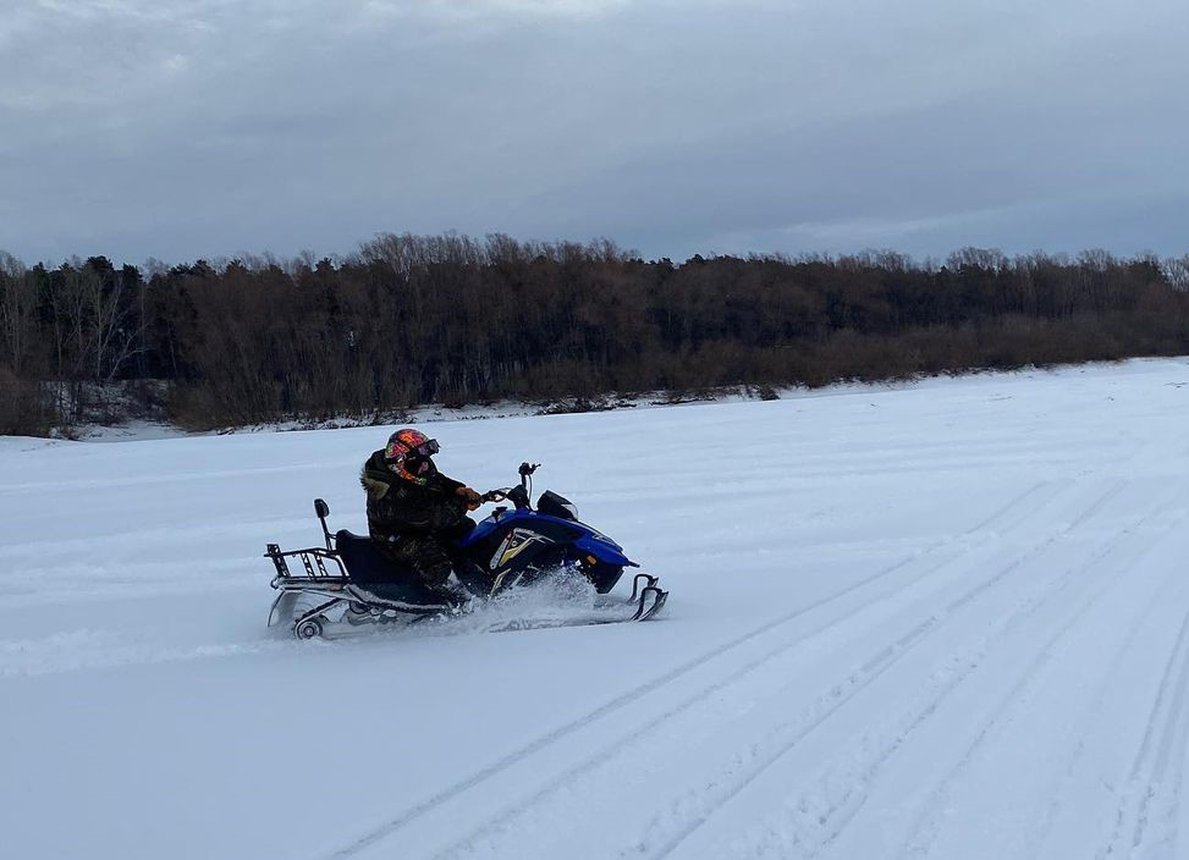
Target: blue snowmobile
pixel 349 581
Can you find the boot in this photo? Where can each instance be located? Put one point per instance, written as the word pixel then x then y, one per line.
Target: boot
pixel 450 592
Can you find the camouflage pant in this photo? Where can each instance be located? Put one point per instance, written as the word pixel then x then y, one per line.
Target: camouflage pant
pixel 426 554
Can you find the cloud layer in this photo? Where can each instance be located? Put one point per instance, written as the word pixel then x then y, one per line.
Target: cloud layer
pixel 188 128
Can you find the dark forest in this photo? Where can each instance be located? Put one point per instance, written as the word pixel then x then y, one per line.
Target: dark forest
pixel 411 320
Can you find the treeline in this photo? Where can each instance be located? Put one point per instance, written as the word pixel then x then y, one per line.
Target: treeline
pixel 411 319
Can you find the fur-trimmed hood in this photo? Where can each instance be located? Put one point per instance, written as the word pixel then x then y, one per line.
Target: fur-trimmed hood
pixel 375 477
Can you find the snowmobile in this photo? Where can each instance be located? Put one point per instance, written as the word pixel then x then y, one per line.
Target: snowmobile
pixel 348 581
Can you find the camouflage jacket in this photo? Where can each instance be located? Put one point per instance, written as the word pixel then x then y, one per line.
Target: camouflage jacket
pixel 396 506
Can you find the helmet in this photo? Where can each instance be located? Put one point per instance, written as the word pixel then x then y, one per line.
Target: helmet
pixel 409 453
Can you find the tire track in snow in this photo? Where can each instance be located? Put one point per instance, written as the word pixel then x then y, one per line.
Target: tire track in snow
pixel 838 695
pixel 927 827
pixel 852 803
pixel 836 817
pixel 657 684
pixel 1163 746
pixel 870 671
pixel 1105 689
pixel 1039 494
pixel 1044 823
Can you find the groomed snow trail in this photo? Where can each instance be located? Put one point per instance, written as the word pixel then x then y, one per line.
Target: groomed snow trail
pixel 948 620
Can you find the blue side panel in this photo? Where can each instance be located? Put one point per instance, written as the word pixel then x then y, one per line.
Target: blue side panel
pixel 487 525
pixel 482 529
pixel 604 551
pixel 592 542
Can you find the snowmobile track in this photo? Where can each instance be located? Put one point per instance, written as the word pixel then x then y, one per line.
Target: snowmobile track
pixel 1045 824
pixel 926 827
pixel 605 710
pixel 1014 512
pixel 842 692
pixel 1149 779
pixel 839 816
pixel 870 671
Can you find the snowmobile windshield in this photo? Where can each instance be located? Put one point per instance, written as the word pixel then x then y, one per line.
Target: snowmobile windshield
pixel 554 505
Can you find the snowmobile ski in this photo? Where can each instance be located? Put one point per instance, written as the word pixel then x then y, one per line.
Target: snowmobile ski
pixel 649 602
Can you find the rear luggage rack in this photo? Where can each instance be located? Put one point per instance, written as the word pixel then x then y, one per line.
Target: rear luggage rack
pixel 314 561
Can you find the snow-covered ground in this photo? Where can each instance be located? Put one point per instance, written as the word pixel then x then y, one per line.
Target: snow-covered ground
pixel 949 621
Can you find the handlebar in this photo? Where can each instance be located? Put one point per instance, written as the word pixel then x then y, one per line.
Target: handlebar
pixel 519 496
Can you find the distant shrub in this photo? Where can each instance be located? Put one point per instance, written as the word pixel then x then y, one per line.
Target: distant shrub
pixel 26 408
pixel 450 319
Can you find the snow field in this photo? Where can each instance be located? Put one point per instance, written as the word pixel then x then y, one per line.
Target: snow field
pixel 950 620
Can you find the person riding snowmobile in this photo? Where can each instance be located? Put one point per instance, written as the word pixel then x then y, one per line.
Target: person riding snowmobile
pixel 415 514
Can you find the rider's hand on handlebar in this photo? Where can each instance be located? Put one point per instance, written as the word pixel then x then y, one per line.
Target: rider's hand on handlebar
pixel 473 499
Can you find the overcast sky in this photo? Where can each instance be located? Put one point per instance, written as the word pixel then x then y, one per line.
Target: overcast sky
pixel 180 129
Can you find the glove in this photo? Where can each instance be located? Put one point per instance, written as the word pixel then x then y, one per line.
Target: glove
pixel 473 499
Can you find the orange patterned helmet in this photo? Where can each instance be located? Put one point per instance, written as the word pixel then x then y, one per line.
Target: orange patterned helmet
pixel 409 453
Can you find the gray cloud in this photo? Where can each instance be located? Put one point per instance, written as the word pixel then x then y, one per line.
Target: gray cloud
pixel 188 128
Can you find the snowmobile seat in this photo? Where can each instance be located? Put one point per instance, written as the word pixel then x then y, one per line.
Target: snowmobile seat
pixel 377 575
pixel 364 563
